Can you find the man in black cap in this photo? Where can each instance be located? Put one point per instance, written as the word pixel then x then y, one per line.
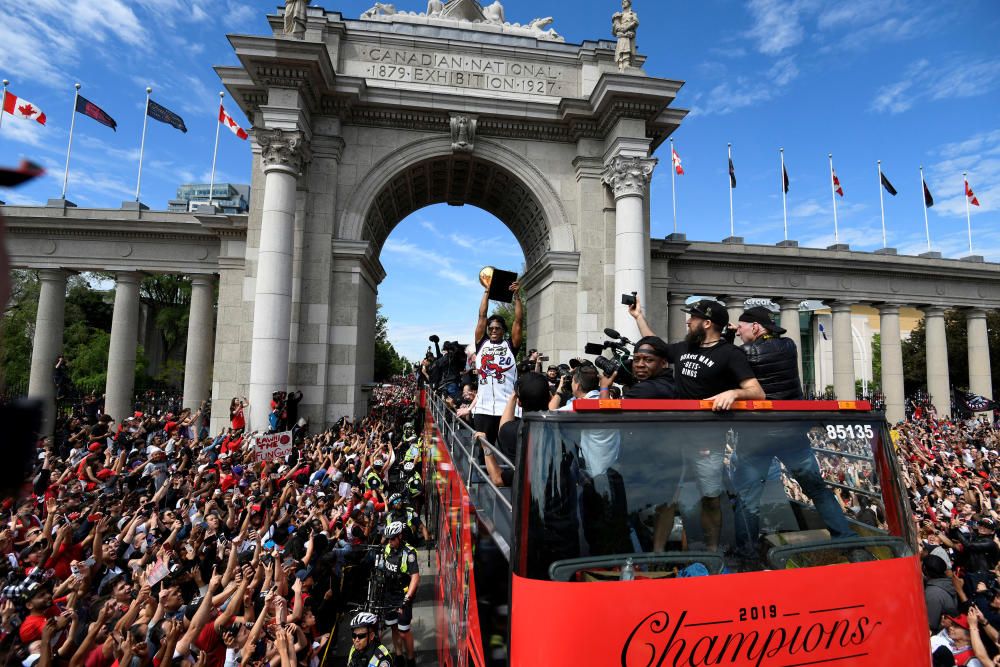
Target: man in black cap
pixel 775 362
pixel 773 359
pixel 706 366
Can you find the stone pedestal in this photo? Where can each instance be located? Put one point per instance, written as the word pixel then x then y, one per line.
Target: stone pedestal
pixel 885 251
pixel 628 178
pixel 843 352
pixel 120 389
pixel 938 385
pixel 134 206
pixel 980 374
pixel 839 247
pixel 790 323
pixel 283 156
pixel 48 342
pixel 677 318
pixel 930 254
pixel 200 341
pixel 733 240
pixel 787 243
pixel 892 362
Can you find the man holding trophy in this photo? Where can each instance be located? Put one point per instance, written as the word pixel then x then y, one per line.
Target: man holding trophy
pixel 496 354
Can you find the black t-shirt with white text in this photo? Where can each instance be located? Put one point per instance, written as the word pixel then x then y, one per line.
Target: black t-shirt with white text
pixel 707 371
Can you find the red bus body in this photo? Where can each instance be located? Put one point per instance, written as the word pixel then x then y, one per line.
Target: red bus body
pixel 867 613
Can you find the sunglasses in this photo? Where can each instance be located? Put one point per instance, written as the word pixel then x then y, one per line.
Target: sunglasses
pixel 361 636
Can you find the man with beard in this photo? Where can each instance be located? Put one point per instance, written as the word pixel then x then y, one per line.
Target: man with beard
pixel 706 366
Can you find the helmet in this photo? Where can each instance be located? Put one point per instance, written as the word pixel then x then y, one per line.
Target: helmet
pixel 394 498
pixel 408 466
pixel 394 529
pixel 378 463
pixel 364 619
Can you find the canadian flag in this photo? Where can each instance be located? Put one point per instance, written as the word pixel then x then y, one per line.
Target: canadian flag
pixel 836 184
pixel 228 121
pixel 970 194
pixel 677 162
pixel 22 108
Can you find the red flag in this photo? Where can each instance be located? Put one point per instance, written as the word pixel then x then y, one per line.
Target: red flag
pixel 677 162
pixel 970 194
pixel 836 183
pixel 228 121
pixel 22 108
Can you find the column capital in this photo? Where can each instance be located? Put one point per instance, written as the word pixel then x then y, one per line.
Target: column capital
pixel 888 308
pixel 283 150
pixel 933 311
pixel 839 306
pixel 787 303
pixel 128 277
pixel 974 313
pixel 202 278
pixel 629 176
pixel 675 299
pixel 54 275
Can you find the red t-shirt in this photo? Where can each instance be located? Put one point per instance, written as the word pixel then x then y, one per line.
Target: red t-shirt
pixel 31 628
pixel 96 658
pixel 210 642
pixel 238 421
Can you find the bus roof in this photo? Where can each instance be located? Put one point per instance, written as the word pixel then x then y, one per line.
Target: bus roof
pixel 675 405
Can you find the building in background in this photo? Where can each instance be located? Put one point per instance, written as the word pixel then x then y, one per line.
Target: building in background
pixel 230 197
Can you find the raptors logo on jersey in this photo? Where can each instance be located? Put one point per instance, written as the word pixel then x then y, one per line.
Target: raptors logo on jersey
pixel 497 369
pixel 491 368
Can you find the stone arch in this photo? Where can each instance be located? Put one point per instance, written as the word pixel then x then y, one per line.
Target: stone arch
pixel 494 178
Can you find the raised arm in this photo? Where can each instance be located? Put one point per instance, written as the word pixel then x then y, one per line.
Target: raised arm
pixel 517 331
pixel 635 310
pixel 484 307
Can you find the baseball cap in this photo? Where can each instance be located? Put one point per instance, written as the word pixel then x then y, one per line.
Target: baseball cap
pixel 960 620
pixel 762 316
pixel 709 309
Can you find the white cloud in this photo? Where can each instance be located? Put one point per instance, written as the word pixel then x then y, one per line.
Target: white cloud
pixel 776 25
pixel 979 155
pixel 745 91
pixel 955 79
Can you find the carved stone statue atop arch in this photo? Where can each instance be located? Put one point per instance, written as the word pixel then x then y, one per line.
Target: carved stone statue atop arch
pixel 467 15
pixel 295 17
pixel 624 25
pixel 494 13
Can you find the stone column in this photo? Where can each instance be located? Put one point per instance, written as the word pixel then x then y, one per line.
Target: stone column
pixel 938 384
pixel 677 318
pixel 48 342
pixel 735 305
pixel 628 178
pixel 980 376
pixel 892 362
pixel 119 392
pixel 283 156
pixel 843 351
pixel 790 323
pixel 200 341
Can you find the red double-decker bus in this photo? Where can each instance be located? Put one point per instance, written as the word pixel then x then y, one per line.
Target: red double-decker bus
pixel 602 551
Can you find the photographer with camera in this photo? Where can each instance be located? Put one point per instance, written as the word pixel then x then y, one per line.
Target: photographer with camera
pixel 496 362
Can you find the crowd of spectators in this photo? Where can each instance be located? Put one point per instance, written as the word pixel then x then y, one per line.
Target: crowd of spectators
pixel 146 540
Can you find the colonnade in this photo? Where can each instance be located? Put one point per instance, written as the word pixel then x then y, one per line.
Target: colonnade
pixel 938 383
pixel 120 385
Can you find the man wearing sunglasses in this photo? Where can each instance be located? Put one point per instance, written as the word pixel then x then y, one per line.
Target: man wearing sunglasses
pixel 366 651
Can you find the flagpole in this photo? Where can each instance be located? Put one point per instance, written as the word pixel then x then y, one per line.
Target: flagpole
pixel 881 204
pixel 927 226
pixel 211 185
pixel 968 215
pixel 732 224
pixel 69 146
pixel 3 99
pixel 784 206
pixel 833 195
pixel 142 144
pixel 673 185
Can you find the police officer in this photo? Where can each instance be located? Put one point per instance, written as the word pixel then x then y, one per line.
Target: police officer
pixel 406 515
pixel 366 650
pixel 414 485
pixel 373 477
pixel 399 560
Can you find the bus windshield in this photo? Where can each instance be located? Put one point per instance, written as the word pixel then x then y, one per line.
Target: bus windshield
pixel 673 494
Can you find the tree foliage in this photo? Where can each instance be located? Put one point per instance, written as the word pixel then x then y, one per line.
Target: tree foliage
pixel 387 361
pixel 915 353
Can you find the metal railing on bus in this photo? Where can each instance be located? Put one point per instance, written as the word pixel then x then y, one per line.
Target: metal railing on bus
pixel 492 503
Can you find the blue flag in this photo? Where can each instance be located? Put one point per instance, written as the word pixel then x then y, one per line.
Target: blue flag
pixel 165 115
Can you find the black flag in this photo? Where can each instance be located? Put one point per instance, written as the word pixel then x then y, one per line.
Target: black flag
pixel 887 185
pixel 732 174
pixel 970 402
pixel 165 115
pixel 928 200
pixel 88 108
pixel 784 178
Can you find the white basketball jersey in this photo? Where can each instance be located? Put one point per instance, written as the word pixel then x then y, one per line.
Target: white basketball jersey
pixel 496 367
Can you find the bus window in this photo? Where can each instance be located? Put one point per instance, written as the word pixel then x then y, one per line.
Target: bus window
pixel 660 495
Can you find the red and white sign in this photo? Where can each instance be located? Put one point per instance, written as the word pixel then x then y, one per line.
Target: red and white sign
pixel 228 121
pixel 22 108
pixel 271 446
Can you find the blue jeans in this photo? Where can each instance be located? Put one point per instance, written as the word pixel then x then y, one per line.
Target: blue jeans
pixel 750 476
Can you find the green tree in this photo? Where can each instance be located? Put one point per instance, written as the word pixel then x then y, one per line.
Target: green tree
pixel 387 361
pixel 877 360
pixel 915 356
pixel 17 329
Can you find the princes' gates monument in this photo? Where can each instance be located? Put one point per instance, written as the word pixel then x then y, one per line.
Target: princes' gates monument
pixel 360 122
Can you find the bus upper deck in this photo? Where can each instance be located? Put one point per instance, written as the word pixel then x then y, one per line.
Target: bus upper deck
pixel 684 520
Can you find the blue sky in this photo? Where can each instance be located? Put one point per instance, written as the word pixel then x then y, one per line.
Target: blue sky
pixel 906 82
